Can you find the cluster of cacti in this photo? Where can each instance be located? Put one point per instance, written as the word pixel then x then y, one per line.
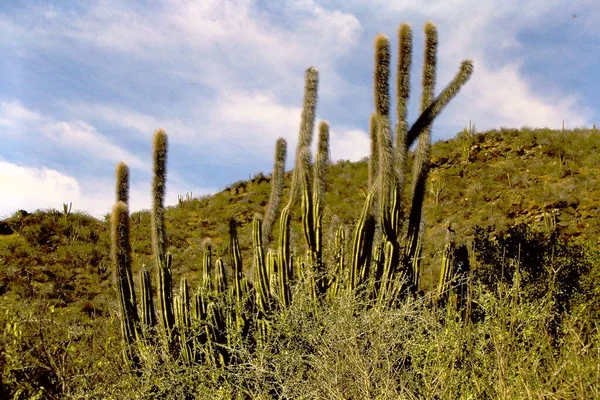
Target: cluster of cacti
pixel 386 246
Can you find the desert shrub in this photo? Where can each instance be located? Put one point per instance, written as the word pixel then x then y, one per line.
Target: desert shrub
pixel 541 261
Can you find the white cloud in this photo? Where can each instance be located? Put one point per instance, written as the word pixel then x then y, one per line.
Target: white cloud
pixel 32 188
pixel 145 125
pixel 501 97
pixel 349 144
pixel 77 135
pixel 248 61
pixel 500 92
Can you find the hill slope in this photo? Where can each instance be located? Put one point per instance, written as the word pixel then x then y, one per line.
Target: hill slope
pixel 500 178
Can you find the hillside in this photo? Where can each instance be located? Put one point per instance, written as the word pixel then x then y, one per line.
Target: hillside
pixel 532 301
pixel 497 178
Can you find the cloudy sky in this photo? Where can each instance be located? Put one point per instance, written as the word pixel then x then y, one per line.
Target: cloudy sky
pixel 83 84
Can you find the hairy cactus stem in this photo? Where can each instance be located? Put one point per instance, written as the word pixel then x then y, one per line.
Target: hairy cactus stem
pixel 276 190
pixel 121 255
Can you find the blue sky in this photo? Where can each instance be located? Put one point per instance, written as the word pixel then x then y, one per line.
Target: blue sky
pixel 84 84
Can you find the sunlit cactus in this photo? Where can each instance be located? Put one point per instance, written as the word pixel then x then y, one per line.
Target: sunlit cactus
pixel 163 262
pixel 307 125
pixel 374 157
pixel 276 190
pixel 384 264
pixel 122 173
pixel 207 283
pixel 220 281
pixel 261 273
pixel 121 256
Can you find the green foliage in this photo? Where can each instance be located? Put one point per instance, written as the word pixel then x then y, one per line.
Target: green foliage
pixel 540 261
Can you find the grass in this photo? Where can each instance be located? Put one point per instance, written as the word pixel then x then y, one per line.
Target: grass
pixel 414 351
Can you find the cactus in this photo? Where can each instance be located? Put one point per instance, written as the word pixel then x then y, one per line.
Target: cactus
pixel 339 261
pixel 182 321
pixel 163 260
pixel 284 271
pixel 121 255
pixel 236 259
pixel 380 269
pixel 403 94
pixel 362 245
pixel 122 173
pixel 148 313
pixel 261 278
pixel 220 281
pixel 307 123
pixel 374 158
pixel 206 269
pixel 320 171
pixel 276 190
pixel 392 159
pixel 422 156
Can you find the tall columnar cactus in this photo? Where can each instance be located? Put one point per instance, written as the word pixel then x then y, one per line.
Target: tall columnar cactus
pixel 276 190
pixel 285 265
pixel 220 281
pixel 148 312
pixel 261 278
pixel 312 207
pixel 339 271
pixel 307 125
pixel 241 286
pixel 374 158
pixel 423 153
pixel 122 174
pixel 121 255
pixel 320 169
pixel 378 268
pixel 362 245
pixel 403 94
pixel 207 283
pixel 236 260
pixel 392 158
pixel 163 265
pixel 183 322
pixel 454 275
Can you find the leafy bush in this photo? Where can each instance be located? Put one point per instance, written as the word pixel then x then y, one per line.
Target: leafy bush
pixel 540 261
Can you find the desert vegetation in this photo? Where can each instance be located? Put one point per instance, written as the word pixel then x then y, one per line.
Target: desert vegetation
pixel 414 274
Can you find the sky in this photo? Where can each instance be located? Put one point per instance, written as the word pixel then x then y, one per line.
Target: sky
pixel 84 84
